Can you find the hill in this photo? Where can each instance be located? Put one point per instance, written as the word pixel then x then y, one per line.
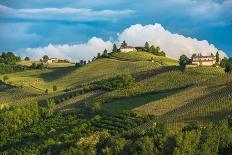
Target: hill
pixel 124 95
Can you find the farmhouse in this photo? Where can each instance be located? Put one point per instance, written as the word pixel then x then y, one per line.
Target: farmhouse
pixel 203 60
pixel 52 60
pixel 56 60
pixel 127 49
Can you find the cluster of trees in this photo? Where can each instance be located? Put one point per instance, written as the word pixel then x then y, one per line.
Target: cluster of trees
pixel 37 129
pixel 154 50
pixel 9 58
pixel 118 82
pixel 227 64
pixel 37 66
pixel 10 68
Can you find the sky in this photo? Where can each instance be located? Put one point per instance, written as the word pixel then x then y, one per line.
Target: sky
pixel 80 29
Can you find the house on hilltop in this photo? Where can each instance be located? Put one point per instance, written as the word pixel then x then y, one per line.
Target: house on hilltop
pixel 200 60
pixel 127 49
pixel 56 60
pixel 52 60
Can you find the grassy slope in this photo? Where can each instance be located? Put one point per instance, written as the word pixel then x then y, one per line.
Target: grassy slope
pixel 159 90
pixel 144 56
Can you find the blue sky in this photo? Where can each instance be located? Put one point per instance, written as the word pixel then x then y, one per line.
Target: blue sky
pixel 38 23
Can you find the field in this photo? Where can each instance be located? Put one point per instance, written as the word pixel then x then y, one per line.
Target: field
pixel 159 93
pixel 158 83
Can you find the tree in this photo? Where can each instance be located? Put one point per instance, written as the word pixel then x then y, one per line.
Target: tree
pixel 124 44
pixel 5 78
pixel 9 58
pixel 217 57
pixel 115 49
pixel 96 107
pixel 194 55
pixel 183 61
pixel 228 66
pixel 105 54
pixel 147 47
pixel 27 59
pixel 98 55
pixel 45 58
pixel 46 91
pixel 223 62
pixel 54 88
pixel 82 62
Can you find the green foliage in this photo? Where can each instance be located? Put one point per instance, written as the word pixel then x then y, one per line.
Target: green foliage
pixel 124 44
pixel 10 68
pixel 5 78
pixel 45 58
pixel 37 66
pixel 115 49
pixel 223 62
pixel 54 88
pixel 105 54
pixel 147 47
pixel 48 108
pixel 228 66
pixel 9 58
pixel 27 59
pixel 118 82
pixel 217 57
pixel 183 61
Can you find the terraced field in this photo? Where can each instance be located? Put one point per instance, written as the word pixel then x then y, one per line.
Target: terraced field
pixel 160 88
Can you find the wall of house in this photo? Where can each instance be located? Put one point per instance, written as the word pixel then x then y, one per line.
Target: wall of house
pixel 127 49
pixel 205 63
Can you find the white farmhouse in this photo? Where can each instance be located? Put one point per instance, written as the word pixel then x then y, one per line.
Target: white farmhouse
pixel 204 60
pixel 127 49
pixel 52 60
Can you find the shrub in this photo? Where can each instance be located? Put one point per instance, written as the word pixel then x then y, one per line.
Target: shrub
pixel 118 82
pixel 54 88
pixel 5 78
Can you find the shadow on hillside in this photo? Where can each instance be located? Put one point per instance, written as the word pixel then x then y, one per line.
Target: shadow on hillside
pixel 212 116
pixel 147 74
pixel 57 73
pixel 128 103
pixel 205 99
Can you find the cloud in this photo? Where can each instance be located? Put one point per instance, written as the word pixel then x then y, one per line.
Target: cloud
pixel 205 10
pixel 136 35
pixel 173 44
pixel 64 14
pixel 75 52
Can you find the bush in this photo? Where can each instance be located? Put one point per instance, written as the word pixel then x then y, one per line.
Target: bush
pixel 54 88
pixel 228 66
pixel 5 78
pixel 118 82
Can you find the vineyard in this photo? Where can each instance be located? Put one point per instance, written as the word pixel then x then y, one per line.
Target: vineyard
pixel 121 95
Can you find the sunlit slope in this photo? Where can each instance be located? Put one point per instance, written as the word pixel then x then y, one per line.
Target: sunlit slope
pixel 105 68
pixel 144 56
pixel 207 89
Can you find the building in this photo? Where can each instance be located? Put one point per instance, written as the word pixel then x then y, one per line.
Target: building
pixel 127 49
pixel 52 60
pixel 200 60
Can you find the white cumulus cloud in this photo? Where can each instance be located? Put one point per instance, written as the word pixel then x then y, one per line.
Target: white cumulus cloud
pixel 173 44
pixel 75 52
pixel 136 35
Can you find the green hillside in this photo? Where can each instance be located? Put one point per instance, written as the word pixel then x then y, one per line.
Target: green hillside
pixel 127 93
